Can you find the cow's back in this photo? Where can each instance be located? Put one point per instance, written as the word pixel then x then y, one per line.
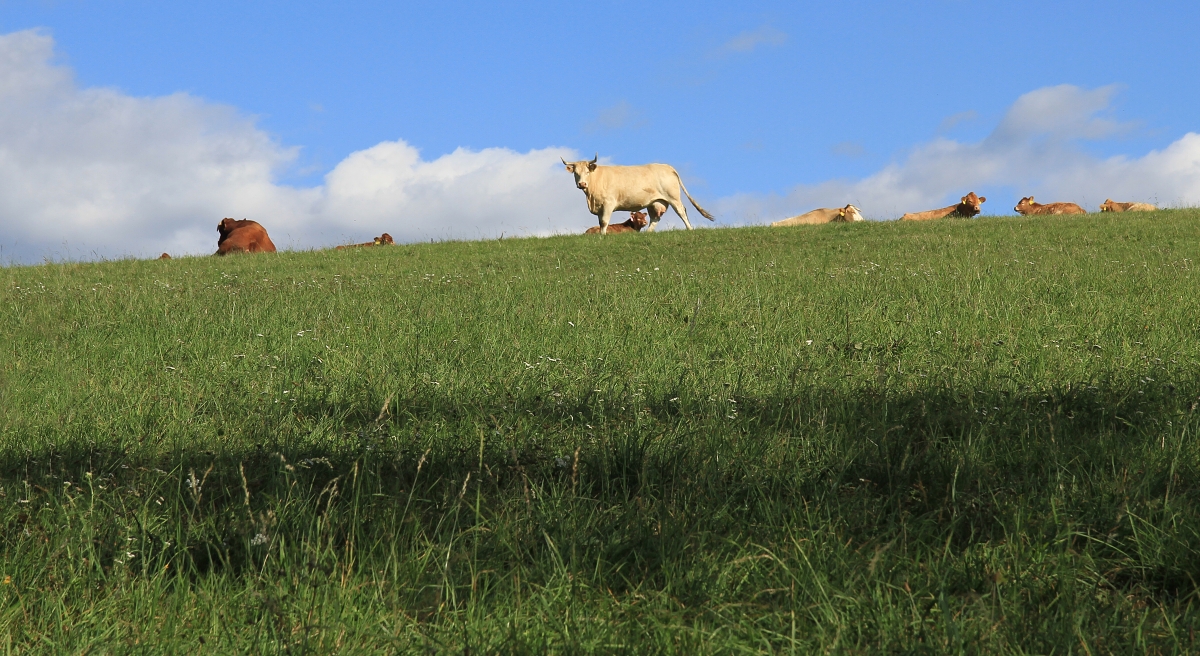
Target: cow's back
pixel 930 214
pixel 631 187
pixel 251 238
pixel 1059 208
pixel 815 217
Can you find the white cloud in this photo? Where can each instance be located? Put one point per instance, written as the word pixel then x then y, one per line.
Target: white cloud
pixel 1035 149
pixel 90 173
pixel 751 39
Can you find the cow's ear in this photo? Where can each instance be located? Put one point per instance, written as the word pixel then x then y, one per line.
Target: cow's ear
pixel 591 166
pixel 1031 199
pixel 983 199
pixel 571 168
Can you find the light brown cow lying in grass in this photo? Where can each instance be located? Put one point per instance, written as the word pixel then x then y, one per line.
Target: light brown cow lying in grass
pixel 635 223
pixel 243 237
pixel 1027 207
pixel 822 215
pixel 1110 205
pixel 967 207
pixel 382 240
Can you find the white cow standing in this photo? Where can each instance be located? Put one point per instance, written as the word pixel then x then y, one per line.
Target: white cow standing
pixel 651 187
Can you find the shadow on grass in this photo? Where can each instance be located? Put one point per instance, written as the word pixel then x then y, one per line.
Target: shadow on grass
pixel 647 486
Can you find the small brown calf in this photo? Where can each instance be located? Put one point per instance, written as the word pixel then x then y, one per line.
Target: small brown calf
pixel 635 223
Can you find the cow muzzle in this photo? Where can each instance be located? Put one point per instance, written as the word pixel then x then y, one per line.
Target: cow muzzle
pixel 581 185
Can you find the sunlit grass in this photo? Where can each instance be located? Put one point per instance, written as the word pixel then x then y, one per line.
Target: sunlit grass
pixel 959 435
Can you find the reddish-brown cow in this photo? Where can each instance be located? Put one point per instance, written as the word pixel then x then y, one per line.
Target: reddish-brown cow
pixel 1027 207
pixel 243 237
pixel 635 223
pixel 968 207
pixel 164 256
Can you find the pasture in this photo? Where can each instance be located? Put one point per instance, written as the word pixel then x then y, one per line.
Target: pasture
pixel 957 436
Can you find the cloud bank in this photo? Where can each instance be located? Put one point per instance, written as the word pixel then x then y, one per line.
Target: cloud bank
pixel 90 173
pixel 1037 148
pixel 87 173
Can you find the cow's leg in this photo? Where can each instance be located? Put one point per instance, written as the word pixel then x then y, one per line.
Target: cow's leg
pixel 605 216
pixel 677 205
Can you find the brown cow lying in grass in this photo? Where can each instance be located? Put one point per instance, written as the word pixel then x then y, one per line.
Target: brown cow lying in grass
pixel 968 207
pixel 822 215
pixel 1110 205
pixel 635 223
pixel 164 256
pixel 243 237
pixel 1027 207
pixel 382 240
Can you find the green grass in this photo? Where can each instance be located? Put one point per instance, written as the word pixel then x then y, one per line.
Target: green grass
pixel 957 436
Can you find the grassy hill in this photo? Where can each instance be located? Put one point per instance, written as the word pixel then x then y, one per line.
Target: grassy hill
pixel 973 436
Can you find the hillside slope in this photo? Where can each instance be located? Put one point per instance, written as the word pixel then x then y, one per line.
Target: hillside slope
pixel 959 434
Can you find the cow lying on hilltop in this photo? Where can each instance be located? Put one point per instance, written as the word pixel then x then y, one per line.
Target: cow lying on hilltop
pixel 1109 205
pixel 382 240
pixel 635 223
pixel 631 188
pixel 1027 207
pixel 967 207
pixel 822 215
pixel 164 256
pixel 243 237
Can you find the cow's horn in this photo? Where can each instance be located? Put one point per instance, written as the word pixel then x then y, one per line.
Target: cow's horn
pixel 564 161
pixel 595 158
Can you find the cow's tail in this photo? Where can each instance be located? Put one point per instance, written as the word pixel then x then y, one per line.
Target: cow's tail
pixel 703 212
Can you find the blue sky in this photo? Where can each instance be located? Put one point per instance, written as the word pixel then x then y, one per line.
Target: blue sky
pixel 748 100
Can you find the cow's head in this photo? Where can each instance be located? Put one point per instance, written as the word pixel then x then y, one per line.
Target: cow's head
pixel 226 226
pixel 970 204
pixel 1024 205
pixel 582 169
pixel 850 213
pixel 637 220
pixel 1107 205
pixel 385 240
pixel 164 256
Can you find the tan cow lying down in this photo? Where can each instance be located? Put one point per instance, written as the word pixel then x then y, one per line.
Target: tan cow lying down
pixel 1110 205
pixel 635 223
pixel 822 215
pixel 967 207
pixel 382 240
pixel 243 237
pixel 631 188
pixel 1027 207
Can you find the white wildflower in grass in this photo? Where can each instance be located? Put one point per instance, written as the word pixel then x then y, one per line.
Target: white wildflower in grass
pixel 258 540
